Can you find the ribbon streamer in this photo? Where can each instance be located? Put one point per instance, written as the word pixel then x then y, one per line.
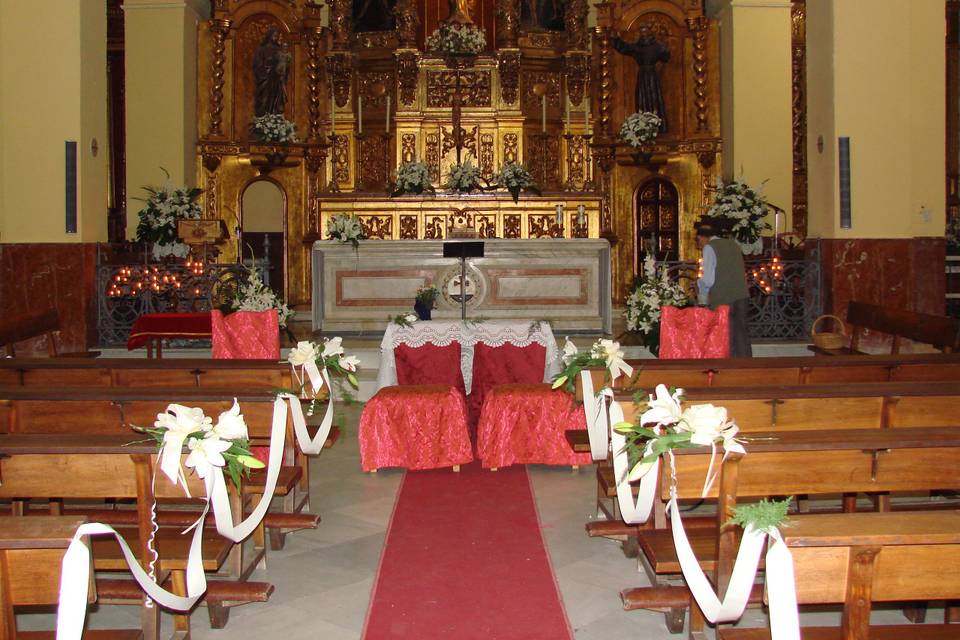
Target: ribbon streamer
pixel 598 418
pixel 308 445
pixel 632 512
pixel 75 569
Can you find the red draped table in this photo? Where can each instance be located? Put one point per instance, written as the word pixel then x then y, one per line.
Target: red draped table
pixel 422 426
pixel 151 328
pixel 526 423
pixel 694 332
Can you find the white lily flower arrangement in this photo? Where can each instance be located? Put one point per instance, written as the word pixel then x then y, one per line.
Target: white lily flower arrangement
pixel 640 128
pixel 744 209
pixel 652 291
pixel 413 177
pixel 346 228
pixel 224 445
pixel 667 425
pixel 330 356
pixel 404 319
pixel 515 177
pixel 274 128
pixel 456 39
pixel 604 353
pixel 253 295
pixel 463 178
pixel 166 205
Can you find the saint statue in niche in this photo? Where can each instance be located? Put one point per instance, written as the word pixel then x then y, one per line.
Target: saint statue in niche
pixel 541 15
pixel 374 15
pixel 647 51
pixel 271 67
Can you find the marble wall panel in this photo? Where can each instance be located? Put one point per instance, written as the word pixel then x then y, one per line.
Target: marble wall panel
pixel 37 277
pixel 903 273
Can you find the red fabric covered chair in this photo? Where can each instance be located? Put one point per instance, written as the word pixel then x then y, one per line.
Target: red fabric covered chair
pixel 527 424
pixel 695 332
pixel 429 364
pixel 248 335
pixel 420 426
pixel 506 364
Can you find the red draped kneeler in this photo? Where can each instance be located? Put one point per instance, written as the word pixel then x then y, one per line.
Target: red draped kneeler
pixel 527 423
pixel 248 335
pixel 429 364
pixel 694 332
pixel 506 364
pixel 415 427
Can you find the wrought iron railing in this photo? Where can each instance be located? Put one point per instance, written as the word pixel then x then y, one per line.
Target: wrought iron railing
pixel 788 310
pixel 126 289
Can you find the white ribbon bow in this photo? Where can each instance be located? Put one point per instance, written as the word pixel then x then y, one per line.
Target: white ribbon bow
pixel 597 415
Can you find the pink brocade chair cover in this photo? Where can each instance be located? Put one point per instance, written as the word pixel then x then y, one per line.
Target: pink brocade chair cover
pixel 506 364
pixel 429 364
pixel 694 332
pixel 527 424
pixel 248 335
pixel 415 427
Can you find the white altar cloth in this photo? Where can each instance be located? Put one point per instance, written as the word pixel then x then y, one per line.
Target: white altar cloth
pixel 490 332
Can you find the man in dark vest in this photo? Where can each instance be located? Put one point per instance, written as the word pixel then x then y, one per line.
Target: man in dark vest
pixel 724 281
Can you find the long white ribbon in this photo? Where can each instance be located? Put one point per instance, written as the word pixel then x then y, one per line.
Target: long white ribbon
pixel 308 445
pixel 632 511
pixel 598 417
pixel 75 569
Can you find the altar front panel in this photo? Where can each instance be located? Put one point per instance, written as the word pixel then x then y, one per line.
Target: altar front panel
pixel 564 281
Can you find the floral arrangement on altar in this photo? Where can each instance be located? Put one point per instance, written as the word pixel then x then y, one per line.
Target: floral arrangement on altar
pixel 158 218
pixel 273 128
pixel 603 353
pixel 225 444
pixel 463 178
pixel 457 39
pixel 403 319
pixel 743 209
pixel 651 291
pixel 515 177
pixel 640 128
pixel 253 295
pixel 666 425
pixel 346 228
pixel 413 177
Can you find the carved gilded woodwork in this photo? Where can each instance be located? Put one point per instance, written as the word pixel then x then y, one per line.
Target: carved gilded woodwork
pixel 341 160
pixel 798 16
pixel 408 147
pixel 474 86
pixel 341 14
pixel 543 160
pixel 577 70
pixel 698 26
pixel 219 28
pixel 606 82
pixel 469 139
pixel 373 153
pixel 377 227
pixel 434 227
pixel 511 226
pixel 408 228
pixel 543 226
pixel 511 147
pixel 575 19
pixel 531 101
pixel 407 75
pixel 339 71
pixel 486 156
pixel 375 86
pixel 314 39
pixel 508 24
pixel 433 156
pixel 408 19
pixel 576 163
pixel 508 65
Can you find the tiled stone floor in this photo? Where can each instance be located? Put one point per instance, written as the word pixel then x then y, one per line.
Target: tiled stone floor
pixel 323 578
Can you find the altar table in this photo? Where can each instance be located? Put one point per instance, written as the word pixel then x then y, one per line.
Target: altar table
pixel 493 333
pixel 150 328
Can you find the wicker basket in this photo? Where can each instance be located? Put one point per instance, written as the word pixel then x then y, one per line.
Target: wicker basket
pixel 826 339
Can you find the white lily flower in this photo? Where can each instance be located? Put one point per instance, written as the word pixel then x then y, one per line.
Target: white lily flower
pixel 304 352
pixel 181 419
pixel 411 318
pixel 664 408
pixel 569 351
pixel 611 352
pixel 230 424
pixel 349 363
pixel 205 453
pixel 705 422
pixel 332 347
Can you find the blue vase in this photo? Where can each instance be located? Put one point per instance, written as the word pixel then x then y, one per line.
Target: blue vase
pixel 422 310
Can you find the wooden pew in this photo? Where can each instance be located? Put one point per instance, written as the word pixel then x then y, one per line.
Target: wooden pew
pixel 860 558
pixel 31 552
pixel 108 466
pixel 942 332
pixel 112 411
pixel 138 373
pixel 45 323
pixel 783 371
pixel 822 462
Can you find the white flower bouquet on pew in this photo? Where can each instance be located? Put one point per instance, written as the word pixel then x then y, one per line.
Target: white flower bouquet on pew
pixel 225 444
pixel 603 353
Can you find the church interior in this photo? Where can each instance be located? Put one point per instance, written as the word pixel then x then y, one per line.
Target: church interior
pixel 513 319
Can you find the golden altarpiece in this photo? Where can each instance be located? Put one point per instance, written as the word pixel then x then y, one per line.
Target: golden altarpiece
pixel 550 91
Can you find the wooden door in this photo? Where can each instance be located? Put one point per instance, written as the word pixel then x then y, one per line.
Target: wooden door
pixel 657 216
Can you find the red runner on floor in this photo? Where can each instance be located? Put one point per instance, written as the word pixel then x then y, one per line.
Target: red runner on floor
pixel 464 558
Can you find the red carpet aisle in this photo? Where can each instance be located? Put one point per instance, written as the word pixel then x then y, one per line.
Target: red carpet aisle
pixel 464 558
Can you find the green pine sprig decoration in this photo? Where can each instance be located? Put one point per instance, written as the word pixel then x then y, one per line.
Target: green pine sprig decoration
pixel 764 516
